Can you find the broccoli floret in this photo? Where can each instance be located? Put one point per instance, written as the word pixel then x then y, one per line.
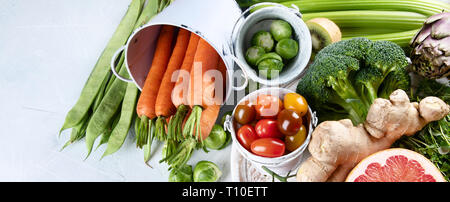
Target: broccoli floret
pixel 398 79
pixel 386 56
pixel 367 82
pixel 328 80
pixel 355 47
pixel 346 77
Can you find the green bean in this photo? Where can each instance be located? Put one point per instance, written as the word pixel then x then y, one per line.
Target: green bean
pixel 78 132
pixel 111 80
pixel 101 69
pixel 105 112
pixel 120 132
pixel 106 135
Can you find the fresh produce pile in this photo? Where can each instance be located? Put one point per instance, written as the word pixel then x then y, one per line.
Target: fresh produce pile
pixel 260 54
pixel 272 127
pixel 372 119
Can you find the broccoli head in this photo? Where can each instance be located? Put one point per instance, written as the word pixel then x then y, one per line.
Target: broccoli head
pixel 355 48
pixel 347 76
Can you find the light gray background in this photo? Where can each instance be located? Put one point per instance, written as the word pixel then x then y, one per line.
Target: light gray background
pixel 47 50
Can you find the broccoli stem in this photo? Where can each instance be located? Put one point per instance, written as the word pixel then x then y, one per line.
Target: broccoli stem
pixel 349 99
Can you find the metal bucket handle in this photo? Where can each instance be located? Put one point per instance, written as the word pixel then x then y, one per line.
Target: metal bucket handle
pixel 113 65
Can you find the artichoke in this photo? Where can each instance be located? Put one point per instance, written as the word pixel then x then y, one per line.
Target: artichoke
pixel 430 56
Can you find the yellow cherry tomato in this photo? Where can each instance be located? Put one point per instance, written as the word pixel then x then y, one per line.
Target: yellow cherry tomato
pixel 296 102
pixel 295 141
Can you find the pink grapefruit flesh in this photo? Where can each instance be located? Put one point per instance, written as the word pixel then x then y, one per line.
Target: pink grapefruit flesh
pixel 395 165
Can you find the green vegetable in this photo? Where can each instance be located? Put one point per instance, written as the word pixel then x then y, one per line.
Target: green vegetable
pixel 276 176
pixel 431 54
pixel 270 68
pixel 206 171
pixel 287 48
pixel 105 112
pixel 263 39
pixel 227 141
pixel 433 141
pixel 119 133
pixel 182 175
pixel 253 54
pixel 217 138
pixel 96 80
pixel 428 87
pixel 347 76
pixel 280 29
pixel 271 55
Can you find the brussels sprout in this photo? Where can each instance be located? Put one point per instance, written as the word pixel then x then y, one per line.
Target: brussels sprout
pixel 263 39
pixel 280 29
pixel 206 171
pixel 184 174
pixel 287 48
pixel 224 118
pixel 253 54
pixel 270 68
pixel 271 55
pixel 227 141
pixel 216 138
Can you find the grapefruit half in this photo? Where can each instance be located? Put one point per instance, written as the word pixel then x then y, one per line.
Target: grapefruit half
pixel 395 165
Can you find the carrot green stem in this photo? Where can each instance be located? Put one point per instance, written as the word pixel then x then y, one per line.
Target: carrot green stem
pixel 175 125
pixel 193 123
pixel 160 127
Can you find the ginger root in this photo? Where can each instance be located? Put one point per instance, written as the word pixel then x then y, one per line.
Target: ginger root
pixel 337 146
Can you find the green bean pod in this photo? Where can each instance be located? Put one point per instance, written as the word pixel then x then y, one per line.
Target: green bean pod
pixel 119 133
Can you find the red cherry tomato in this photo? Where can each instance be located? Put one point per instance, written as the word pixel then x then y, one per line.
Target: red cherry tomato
pixel 268 128
pixel 289 121
pixel 246 135
pixel 268 147
pixel 245 113
pixel 268 106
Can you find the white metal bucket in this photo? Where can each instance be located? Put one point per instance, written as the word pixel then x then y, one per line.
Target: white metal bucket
pixel 211 20
pixel 281 165
pixel 251 22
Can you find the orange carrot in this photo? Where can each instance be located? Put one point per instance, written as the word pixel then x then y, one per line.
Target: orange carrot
pixel 214 85
pixel 179 93
pixel 208 119
pixel 206 58
pixel 146 104
pixel 147 99
pixel 223 70
pixel 164 106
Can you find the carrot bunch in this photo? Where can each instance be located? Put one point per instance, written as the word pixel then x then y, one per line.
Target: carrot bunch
pixel 179 83
pixel 146 106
